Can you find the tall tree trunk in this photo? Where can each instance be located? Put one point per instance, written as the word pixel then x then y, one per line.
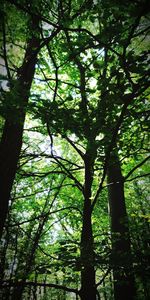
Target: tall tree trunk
pixel 88 289
pixel 11 140
pixel 124 285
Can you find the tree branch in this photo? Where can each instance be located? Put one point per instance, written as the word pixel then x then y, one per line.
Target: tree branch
pixel 10 283
pixel 138 176
pixel 136 167
pixel 101 281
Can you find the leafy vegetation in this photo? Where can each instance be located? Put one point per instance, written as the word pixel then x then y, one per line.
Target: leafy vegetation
pixel 74 150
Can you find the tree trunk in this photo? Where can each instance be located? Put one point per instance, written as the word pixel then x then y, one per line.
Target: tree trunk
pixel 88 289
pixel 11 140
pixel 124 285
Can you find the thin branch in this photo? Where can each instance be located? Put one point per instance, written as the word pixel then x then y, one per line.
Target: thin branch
pixel 136 167
pixel 49 84
pixel 69 174
pixel 28 174
pixel 138 176
pixel 101 281
pixel 136 24
pixel 5 52
pixel 42 155
pixel 75 147
pixel 56 72
pixel 59 80
pixel 10 283
pixel 66 171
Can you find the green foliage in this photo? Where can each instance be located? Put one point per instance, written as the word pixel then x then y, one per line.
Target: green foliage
pixel 89 78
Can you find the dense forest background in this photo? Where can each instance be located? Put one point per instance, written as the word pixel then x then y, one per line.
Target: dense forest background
pixel 74 203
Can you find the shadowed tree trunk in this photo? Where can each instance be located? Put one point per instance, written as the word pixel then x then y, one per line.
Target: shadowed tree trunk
pixel 11 140
pixel 124 285
pixel 88 289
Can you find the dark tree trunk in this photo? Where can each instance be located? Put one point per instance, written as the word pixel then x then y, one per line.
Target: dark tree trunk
pixel 88 289
pixel 11 140
pixel 124 285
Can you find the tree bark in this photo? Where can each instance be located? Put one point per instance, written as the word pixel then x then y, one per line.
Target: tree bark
pixel 124 285
pixel 88 289
pixel 11 140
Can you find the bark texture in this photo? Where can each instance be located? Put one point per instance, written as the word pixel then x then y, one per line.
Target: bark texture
pixel 124 285
pixel 88 288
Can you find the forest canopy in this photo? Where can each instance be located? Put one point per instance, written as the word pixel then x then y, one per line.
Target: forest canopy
pixel 74 150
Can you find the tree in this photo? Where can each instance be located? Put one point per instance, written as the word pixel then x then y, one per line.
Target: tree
pixel 11 140
pixel 124 284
